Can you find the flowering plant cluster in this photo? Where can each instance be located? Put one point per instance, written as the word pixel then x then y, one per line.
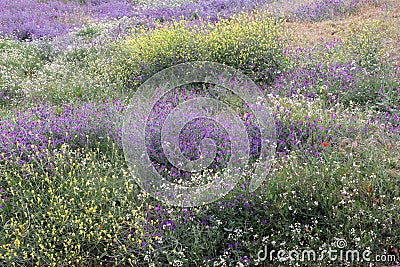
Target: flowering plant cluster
pixel 33 134
pixel 68 196
pixel 38 19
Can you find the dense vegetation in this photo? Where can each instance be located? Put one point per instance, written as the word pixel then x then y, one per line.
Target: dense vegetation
pixel 69 68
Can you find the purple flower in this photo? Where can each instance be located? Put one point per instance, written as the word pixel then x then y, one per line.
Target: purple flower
pixel 38 19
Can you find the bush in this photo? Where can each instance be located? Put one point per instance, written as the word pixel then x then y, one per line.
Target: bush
pixel 251 42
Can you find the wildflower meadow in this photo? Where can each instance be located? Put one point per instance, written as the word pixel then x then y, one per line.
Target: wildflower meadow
pixel 122 142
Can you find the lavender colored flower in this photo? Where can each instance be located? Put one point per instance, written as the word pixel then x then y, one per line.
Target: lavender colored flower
pixel 46 127
pixel 38 19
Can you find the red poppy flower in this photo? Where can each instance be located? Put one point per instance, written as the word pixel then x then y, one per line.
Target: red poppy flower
pixel 325 144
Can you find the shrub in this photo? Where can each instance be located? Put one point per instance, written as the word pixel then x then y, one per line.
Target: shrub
pixel 250 42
